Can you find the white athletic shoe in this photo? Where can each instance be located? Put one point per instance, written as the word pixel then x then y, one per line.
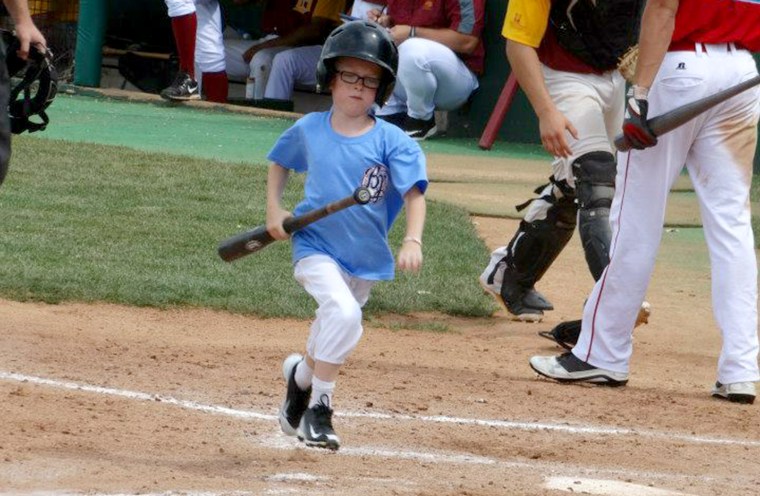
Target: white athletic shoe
pixel 296 400
pixel 738 392
pixel 569 368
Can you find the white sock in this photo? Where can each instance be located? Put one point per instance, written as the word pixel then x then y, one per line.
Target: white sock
pixel 303 376
pixel 321 392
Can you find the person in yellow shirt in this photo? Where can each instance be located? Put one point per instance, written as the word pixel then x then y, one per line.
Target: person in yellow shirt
pixel 564 55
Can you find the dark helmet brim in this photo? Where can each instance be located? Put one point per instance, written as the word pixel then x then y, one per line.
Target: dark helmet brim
pixel 362 40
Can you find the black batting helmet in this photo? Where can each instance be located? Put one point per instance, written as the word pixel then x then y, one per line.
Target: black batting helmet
pixel 361 40
pixel 28 99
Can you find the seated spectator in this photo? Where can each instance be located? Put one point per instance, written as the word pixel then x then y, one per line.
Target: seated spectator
pixel 440 56
pixel 298 66
pixel 197 28
pixel 361 8
pixel 284 26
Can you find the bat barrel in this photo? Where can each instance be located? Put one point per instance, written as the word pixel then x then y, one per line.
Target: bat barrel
pixel 244 244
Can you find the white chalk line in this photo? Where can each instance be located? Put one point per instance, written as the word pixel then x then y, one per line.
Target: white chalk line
pixel 502 424
pixel 439 419
pixel 606 487
pixel 277 440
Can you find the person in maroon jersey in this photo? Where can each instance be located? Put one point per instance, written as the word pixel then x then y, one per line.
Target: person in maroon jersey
pixel 440 57
pixel 688 50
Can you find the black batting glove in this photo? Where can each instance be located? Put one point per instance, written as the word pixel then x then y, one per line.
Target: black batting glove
pixel 635 127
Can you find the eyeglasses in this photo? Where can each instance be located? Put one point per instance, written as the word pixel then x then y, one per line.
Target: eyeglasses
pixel 352 78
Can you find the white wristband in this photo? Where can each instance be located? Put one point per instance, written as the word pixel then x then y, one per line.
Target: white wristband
pixel 640 92
pixel 412 239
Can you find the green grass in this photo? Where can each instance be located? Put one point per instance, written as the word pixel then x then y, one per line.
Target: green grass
pixel 428 326
pixel 85 222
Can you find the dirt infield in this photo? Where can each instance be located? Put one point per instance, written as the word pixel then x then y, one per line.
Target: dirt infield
pixel 101 399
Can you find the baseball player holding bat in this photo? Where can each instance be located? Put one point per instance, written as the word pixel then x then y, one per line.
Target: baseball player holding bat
pixel 688 50
pixel 255 239
pixel 339 258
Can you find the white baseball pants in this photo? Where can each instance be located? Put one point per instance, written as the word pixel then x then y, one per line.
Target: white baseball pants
pixel 717 149
pixel 595 105
pixel 338 326
pixel 430 77
pixel 292 67
pixel 257 69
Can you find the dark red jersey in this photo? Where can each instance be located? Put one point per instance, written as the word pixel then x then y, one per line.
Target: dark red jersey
pixel 719 21
pixel 463 16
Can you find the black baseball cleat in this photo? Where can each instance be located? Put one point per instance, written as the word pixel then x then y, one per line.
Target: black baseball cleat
pixel 296 400
pixel 398 119
pixel 316 428
pixel 564 334
pixel 419 129
pixel 183 88
pixel 523 304
pixel 569 368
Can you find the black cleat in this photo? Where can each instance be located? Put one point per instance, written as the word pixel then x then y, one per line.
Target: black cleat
pixel 296 400
pixel 398 119
pixel 183 88
pixel 564 334
pixel 316 428
pixel 419 129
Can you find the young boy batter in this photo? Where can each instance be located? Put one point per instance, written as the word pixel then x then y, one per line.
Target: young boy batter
pixel 339 258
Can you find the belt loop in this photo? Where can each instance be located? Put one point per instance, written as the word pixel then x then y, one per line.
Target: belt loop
pixel 731 47
pixel 698 48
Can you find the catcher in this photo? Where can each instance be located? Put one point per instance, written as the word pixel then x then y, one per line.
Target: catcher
pixel 565 55
pixel 24 54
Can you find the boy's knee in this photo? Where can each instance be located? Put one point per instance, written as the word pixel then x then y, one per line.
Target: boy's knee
pixel 347 315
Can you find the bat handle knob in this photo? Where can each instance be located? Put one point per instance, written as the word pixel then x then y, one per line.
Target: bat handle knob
pixel 362 196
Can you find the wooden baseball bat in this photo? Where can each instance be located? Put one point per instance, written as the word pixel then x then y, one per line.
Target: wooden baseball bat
pixel 498 114
pixel 681 115
pixel 258 238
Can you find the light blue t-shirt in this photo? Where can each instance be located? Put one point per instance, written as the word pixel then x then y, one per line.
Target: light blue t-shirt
pixel 384 159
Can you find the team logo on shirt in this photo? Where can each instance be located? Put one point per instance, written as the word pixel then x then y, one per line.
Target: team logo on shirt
pixel 376 181
pixel 303 6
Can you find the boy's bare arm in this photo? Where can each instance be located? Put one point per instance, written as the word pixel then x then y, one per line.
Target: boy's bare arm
pixel 277 178
pixel 410 254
